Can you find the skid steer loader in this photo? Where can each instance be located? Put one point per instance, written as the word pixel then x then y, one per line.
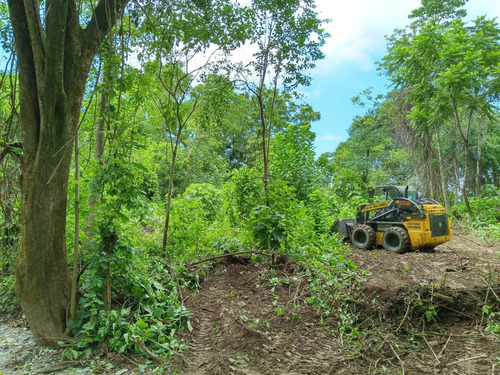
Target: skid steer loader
pixel 400 222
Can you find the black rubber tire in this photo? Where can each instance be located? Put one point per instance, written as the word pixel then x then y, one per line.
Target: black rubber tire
pixel 363 237
pixel 397 240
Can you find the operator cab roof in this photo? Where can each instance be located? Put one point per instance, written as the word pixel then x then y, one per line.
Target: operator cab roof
pixel 396 191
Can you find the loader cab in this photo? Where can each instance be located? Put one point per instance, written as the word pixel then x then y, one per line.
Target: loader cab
pixel 388 192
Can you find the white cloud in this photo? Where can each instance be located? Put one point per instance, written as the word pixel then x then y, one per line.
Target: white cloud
pixel 330 138
pixel 358 28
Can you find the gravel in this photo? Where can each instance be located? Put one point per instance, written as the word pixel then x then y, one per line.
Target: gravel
pixel 19 353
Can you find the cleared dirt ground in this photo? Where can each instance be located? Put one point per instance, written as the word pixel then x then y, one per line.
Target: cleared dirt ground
pixel 242 325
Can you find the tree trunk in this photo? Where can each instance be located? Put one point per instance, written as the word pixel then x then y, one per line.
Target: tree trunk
pixel 464 186
pixel 53 63
pixel 76 245
pixel 94 199
pixel 170 193
pixel 43 282
pixel 444 186
pixel 427 160
pixel 265 154
pixel 478 161
pixel 457 181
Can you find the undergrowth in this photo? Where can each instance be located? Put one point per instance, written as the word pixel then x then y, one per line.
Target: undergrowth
pixel 147 283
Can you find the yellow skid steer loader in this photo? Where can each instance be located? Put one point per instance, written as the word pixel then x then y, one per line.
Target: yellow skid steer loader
pixel 400 222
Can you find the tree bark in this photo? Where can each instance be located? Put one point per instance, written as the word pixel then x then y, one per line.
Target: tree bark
pixel 170 193
pixel 444 186
pixel 479 161
pixel 76 245
pixel 464 186
pixel 457 180
pixel 53 62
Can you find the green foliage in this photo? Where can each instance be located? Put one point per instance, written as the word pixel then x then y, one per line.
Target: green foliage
pixel 209 197
pixel 268 224
pixel 8 298
pixel 431 314
pixel 292 159
pixel 371 152
pixel 157 115
pixel 446 74
pixel 245 191
pixel 146 308
pixel 322 207
pixel 192 216
pixel 493 319
pixel 289 35
pixel 486 221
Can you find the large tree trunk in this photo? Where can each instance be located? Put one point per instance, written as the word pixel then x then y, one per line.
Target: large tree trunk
pixel 42 280
pixel 54 58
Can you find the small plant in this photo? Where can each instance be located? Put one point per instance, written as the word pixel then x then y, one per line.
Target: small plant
pixel 493 322
pixel 405 269
pixel 431 314
pixel 279 311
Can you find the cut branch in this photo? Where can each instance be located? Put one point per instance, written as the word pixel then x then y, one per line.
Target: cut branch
pixel 253 252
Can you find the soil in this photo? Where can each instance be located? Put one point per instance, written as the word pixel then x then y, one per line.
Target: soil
pixel 237 328
pixel 416 313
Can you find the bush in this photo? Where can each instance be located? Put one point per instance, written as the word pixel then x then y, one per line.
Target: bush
pixel 146 307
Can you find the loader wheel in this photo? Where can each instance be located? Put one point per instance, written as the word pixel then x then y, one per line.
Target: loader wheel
pixel 363 237
pixel 396 239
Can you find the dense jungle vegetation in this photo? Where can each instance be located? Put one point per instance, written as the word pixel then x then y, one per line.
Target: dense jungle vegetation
pixel 178 152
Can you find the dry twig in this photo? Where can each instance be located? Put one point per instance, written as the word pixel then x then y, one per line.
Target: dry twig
pixel 432 350
pixel 444 347
pixel 399 359
pixel 58 367
pixel 482 356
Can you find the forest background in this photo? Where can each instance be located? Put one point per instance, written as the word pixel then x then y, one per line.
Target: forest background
pixel 122 173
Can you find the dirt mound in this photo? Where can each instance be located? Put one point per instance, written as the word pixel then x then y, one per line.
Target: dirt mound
pixel 417 313
pixel 243 324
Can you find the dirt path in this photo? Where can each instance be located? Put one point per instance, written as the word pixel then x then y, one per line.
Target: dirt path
pixel 242 326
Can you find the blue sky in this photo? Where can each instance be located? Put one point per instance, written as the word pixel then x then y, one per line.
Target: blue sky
pixel 357 41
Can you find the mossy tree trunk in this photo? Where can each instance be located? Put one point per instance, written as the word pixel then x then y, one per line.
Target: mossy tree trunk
pixel 54 58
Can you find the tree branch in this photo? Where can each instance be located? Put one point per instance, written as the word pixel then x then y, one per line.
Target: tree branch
pixel 36 39
pixel 28 91
pixel 105 15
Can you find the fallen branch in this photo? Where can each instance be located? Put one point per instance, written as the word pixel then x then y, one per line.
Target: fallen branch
pixel 468 239
pixel 442 296
pixel 407 312
pixel 482 356
pixel 444 347
pixel 59 367
pixel 226 255
pixel 399 359
pixel 144 348
pixel 432 350
pixel 490 288
pixel 465 337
